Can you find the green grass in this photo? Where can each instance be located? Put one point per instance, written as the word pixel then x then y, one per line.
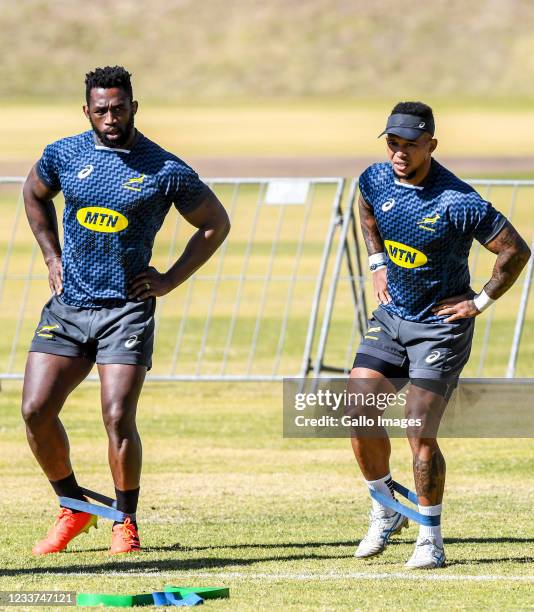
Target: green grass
pixel 226 500
pixel 300 129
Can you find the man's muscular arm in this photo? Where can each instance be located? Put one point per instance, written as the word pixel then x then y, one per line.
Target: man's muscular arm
pixel 371 235
pixel 375 244
pixel 211 220
pixel 42 218
pixel 512 255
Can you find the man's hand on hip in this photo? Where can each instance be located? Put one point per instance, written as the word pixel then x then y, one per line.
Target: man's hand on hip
pixel 149 283
pixel 456 307
pixel 380 286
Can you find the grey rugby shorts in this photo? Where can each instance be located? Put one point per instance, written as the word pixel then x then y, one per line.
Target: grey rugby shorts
pixel 437 351
pixel 120 334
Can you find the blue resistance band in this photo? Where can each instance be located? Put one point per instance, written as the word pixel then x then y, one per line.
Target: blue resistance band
pixel 103 511
pixel 430 521
pixel 172 599
pixel 103 499
pixel 109 512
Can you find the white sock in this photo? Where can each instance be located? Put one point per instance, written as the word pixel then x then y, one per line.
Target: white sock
pixel 433 531
pixel 384 486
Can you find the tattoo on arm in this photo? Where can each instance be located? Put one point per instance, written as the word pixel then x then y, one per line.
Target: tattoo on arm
pixel 512 255
pixel 371 235
pixel 430 477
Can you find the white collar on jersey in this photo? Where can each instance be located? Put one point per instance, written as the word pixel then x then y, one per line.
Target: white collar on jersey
pixel 103 148
pixel 100 147
pixel 408 186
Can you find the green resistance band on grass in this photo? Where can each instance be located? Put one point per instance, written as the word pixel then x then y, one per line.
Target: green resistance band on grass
pixel 171 596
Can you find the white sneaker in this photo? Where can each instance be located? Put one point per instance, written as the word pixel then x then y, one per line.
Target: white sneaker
pixel 381 528
pixel 427 554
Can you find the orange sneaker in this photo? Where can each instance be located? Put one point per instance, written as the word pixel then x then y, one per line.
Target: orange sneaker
pixel 68 525
pixel 124 538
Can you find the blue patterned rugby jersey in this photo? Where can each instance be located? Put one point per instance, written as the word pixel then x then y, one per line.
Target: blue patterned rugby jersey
pixel 115 203
pixel 427 231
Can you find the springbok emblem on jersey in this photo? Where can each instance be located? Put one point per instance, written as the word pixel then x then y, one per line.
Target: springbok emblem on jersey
pixel 429 221
pixel 135 184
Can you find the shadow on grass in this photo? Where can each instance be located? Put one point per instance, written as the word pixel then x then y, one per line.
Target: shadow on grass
pixel 178 547
pixel 140 564
pixel 151 565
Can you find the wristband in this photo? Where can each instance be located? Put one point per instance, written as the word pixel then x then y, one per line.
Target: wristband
pixel 482 301
pixel 377 261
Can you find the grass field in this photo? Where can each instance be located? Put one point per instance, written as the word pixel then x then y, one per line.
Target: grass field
pixel 270 128
pixel 227 501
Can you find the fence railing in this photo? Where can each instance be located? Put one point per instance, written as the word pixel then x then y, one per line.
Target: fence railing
pixel 285 295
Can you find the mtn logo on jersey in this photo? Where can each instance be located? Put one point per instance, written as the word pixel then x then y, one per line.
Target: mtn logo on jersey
pixel 100 219
pixel 135 184
pixel 388 204
pixel 428 221
pixel 85 171
pixel 405 256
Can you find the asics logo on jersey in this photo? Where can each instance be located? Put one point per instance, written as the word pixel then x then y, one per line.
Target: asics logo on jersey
pixel 85 171
pixel 131 342
pixel 405 256
pixel 429 221
pixel 100 219
pixel 422 124
pixel 434 355
pixel 388 204
pixel 134 184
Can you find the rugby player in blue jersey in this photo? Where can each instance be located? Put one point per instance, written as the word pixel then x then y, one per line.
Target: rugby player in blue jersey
pixel 419 221
pixel 118 187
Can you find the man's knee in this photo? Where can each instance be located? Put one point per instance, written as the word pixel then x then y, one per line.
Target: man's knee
pixel 36 411
pixel 119 419
pixel 424 447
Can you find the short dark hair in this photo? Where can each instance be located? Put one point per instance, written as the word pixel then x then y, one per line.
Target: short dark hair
pixel 419 109
pixel 107 77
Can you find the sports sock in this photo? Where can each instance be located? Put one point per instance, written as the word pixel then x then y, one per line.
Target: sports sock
pixel 384 486
pixel 68 487
pixel 127 502
pixel 426 531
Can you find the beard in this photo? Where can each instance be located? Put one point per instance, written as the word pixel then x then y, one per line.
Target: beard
pixel 123 136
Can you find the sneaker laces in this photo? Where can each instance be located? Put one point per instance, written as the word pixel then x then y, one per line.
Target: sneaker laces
pixel 376 523
pixel 128 531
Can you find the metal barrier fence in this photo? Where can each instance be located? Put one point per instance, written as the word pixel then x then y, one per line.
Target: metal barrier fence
pixel 286 295
pixel 246 315
pixel 503 344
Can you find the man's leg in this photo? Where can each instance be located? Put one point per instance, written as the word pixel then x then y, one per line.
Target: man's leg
pixel 372 450
pixel 428 469
pixel 120 389
pixel 372 453
pixel 48 380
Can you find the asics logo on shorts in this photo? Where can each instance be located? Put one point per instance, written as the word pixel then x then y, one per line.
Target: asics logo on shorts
pixel 131 342
pixel 388 204
pixel 434 355
pixel 86 171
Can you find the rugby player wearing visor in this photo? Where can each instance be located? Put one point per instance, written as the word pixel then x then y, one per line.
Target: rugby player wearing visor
pixel 419 221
